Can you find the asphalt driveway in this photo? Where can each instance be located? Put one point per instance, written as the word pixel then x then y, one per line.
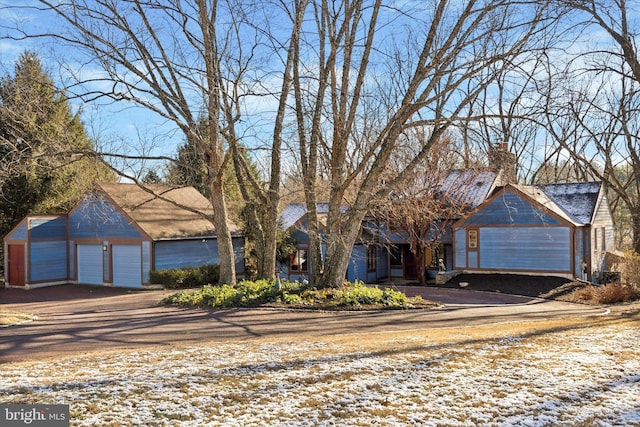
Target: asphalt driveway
pixel 72 319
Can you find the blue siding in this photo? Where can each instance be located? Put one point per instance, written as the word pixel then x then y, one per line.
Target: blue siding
pixel 48 260
pixel 509 209
pixel 96 217
pixel 472 256
pixel 48 228
pixel 383 264
pixel 357 269
pixel 19 234
pixel 185 253
pixel 525 248
pixel 460 248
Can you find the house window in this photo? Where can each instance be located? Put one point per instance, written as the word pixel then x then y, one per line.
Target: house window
pixel 299 261
pixel 603 232
pixel 372 253
pixel 472 239
pixel 396 256
pixel 595 239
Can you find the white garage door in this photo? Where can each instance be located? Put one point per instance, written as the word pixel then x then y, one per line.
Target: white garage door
pixel 90 265
pixel 127 266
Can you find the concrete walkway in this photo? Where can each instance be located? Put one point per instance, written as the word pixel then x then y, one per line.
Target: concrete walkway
pixel 75 319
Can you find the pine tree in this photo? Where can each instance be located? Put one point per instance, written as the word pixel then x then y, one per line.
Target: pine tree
pixel 46 159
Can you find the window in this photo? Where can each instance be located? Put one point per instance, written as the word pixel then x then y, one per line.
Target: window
pixel 299 262
pixel 372 258
pixel 604 239
pixel 472 239
pixel 396 256
pixel 595 239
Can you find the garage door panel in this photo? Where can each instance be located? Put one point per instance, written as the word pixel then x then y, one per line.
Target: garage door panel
pixel 90 265
pixel 127 266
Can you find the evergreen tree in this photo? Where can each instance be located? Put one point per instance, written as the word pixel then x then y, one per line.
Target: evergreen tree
pixel 46 159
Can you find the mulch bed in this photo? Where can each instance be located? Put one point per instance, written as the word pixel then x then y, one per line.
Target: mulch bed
pixel 531 286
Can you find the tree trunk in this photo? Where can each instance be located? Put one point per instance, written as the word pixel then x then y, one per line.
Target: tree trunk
pixel 270 233
pixel 223 234
pixel 635 220
pixel 340 236
pixel 420 265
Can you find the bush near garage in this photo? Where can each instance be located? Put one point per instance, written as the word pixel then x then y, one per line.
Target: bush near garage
pixel 190 277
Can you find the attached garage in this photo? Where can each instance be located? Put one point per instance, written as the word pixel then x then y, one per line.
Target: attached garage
pixel 536 230
pixel 37 252
pixel 111 236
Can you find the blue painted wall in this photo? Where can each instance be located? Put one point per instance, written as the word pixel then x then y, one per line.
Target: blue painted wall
pixel 194 253
pixel 19 234
pixel 96 217
pixel 460 249
pixel 48 228
pixel 510 209
pixel 357 270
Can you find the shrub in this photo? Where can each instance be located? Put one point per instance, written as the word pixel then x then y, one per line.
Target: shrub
pixel 252 293
pixel 610 293
pixel 189 277
pixel 631 269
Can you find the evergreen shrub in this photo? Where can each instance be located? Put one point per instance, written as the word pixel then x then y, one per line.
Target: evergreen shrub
pixel 189 277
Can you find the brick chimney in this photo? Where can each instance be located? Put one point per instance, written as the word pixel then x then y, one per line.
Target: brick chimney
pixel 501 160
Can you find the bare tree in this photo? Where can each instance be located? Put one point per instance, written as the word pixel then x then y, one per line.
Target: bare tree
pixel 377 71
pixel 424 205
pixel 182 60
pixel 595 118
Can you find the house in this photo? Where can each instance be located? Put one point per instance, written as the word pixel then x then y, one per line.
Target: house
pixel 115 236
pixel 382 251
pixel 557 229
pixel 368 261
pixel 467 189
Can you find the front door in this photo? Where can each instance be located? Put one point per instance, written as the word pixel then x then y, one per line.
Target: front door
pixel 16 265
pixel 409 260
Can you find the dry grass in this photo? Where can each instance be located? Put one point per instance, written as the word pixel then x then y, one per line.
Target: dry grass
pixel 611 293
pixel 12 317
pixel 481 375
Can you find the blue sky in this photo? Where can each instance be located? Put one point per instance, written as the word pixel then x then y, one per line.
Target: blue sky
pixel 131 128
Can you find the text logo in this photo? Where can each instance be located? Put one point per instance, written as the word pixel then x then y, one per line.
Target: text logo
pixel 34 415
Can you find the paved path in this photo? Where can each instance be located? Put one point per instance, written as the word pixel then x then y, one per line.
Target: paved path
pixel 72 319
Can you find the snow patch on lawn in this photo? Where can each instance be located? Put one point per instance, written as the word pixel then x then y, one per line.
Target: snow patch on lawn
pixel 574 377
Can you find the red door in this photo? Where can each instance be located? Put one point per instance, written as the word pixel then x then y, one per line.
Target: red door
pixel 16 265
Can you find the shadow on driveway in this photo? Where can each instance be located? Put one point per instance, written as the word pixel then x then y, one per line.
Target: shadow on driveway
pixel 73 319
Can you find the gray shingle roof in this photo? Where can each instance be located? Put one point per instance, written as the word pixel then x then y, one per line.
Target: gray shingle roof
pixel 578 199
pixel 469 187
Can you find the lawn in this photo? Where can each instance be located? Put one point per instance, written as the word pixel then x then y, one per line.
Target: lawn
pixel 558 372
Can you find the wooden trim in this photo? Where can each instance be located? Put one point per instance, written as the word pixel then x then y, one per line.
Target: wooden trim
pixel 461 223
pixel 519 270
